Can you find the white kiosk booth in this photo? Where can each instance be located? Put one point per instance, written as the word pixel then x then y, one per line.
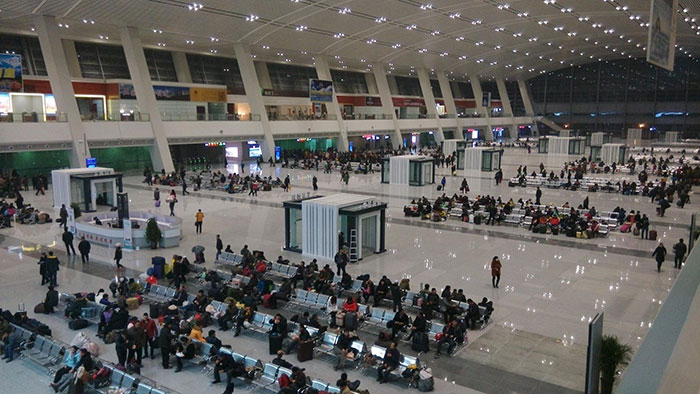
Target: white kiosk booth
pixel 613 153
pixel 482 159
pixel 88 187
pixel 671 136
pixel 408 170
pixel 561 145
pixel 313 225
pixel 634 137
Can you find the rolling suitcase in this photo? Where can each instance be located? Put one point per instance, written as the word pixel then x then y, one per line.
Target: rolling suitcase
pixel 275 343
pixel 305 351
pixel 652 235
pixel 477 219
pixel 420 342
pixel 350 321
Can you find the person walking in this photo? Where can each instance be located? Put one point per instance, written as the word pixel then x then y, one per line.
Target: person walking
pixel 52 269
pixel 172 200
pixel 679 250
pixel 118 255
pixel 495 271
pixel 285 184
pixel 40 186
pixel 121 346
pixel 443 182
pixel 42 268
pixel 184 187
pixel 219 246
pixel 314 183
pixel 644 227
pixel 538 196
pixel 499 177
pixel 198 221
pixel 63 215
pixel 149 326
pixel 165 341
pixel 156 197
pixel 660 254
pixel 84 249
pixel 68 241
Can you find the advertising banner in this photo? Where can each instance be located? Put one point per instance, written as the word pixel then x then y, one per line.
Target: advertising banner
pixel 4 103
pixel 10 73
pixel 165 93
pixel 128 241
pixel 209 95
pixel 320 91
pixel 373 101
pixel 71 221
pixel 662 33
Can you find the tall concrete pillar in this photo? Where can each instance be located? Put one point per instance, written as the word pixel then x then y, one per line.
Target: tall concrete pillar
pixel 263 75
pixel 507 108
pixel 145 98
pixel 429 98
pixel 254 95
pixel 527 103
pixel 60 79
pixel 371 84
pixel 324 73
pixel 72 58
pixel 387 104
pixel 182 68
pixel 478 97
pixel 446 90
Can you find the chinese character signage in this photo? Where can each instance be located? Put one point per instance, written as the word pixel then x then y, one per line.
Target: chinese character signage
pixel 10 73
pixel 662 33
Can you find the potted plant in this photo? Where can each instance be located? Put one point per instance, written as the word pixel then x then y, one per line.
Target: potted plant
pixel 76 210
pixel 153 233
pixel 614 356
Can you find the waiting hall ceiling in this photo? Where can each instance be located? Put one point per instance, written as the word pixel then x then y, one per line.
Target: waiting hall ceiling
pixel 488 38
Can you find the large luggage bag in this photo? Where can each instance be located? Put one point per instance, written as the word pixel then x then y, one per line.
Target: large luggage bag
pixel 652 235
pixel 158 266
pixel 350 321
pixel 40 308
pixel 477 219
pixel 305 351
pixel 275 343
pixel 78 324
pixel 132 303
pixel 420 342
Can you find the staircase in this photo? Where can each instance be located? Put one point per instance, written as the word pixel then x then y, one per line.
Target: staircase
pixel 549 123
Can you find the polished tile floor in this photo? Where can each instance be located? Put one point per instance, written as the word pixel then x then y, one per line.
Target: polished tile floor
pixel 551 286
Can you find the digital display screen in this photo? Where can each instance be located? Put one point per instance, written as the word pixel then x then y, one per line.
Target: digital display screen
pixel 254 151
pixel 91 162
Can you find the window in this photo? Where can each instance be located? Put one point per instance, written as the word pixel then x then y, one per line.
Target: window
pixel 435 85
pixel 408 86
pixel 291 80
pixel 463 90
pixel 29 48
pixel 671 84
pixel 613 81
pixel 216 70
pixel 491 87
pixel 349 82
pixel 642 81
pixel 102 61
pixel 586 83
pixel 516 100
pixel 160 65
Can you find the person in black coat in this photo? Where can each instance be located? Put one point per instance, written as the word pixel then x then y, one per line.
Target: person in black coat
pixel 42 268
pixel 660 255
pixel 121 345
pixel 51 300
pixel 84 249
pixel 165 340
pixel 396 296
pixel 51 267
pixel 118 256
pixel 68 241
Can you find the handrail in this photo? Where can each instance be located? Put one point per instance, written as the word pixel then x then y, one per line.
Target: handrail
pixel 32 117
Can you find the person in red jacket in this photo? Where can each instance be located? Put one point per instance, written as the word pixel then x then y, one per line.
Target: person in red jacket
pixel 149 325
pixel 350 305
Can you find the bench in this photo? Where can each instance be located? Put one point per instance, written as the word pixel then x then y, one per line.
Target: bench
pixel 379 352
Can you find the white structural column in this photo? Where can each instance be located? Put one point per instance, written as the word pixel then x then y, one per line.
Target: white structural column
pixel 429 98
pixel 61 86
pixel 371 83
pixel 446 90
pixel 182 68
pixel 507 108
pixel 145 98
pixel 255 98
pixel 263 75
pixel 483 111
pixel 324 73
pixel 527 103
pixel 72 58
pixel 387 104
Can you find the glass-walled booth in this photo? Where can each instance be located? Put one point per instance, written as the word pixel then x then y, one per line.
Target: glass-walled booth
pixel 408 170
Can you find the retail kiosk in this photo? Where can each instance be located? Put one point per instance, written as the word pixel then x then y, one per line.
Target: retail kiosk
pixel 482 159
pixel 408 170
pixel 87 187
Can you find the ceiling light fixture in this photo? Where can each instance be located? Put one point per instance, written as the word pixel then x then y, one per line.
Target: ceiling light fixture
pixel 195 7
pixel 339 35
pixel 380 19
pixel 251 18
pixel 344 10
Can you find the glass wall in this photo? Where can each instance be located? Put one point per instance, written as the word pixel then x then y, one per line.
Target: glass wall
pixel 123 158
pixel 29 48
pixel 349 82
pixel 435 85
pixel 102 61
pixel 462 90
pixel 160 65
pixel 36 162
pixel 215 70
pixel 408 86
pixel 616 95
pixel 292 81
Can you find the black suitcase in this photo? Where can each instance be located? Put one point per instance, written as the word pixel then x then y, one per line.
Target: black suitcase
pixel 78 324
pixel 350 321
pixel 555 230
pixel 305 351
pixel 275 343
pixel 477 219
pixel 156 309
pixel 420 342
pixel 439 188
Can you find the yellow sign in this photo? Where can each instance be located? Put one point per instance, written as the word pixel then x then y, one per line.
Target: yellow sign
pixel 208 95
pixel 7 73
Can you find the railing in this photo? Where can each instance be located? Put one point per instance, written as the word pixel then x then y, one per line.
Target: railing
pixel 368 116
pixel 417 116
pixel 191 116
pixel 448 116
pixel 275 117
pixel 33 117
pixel 129 117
